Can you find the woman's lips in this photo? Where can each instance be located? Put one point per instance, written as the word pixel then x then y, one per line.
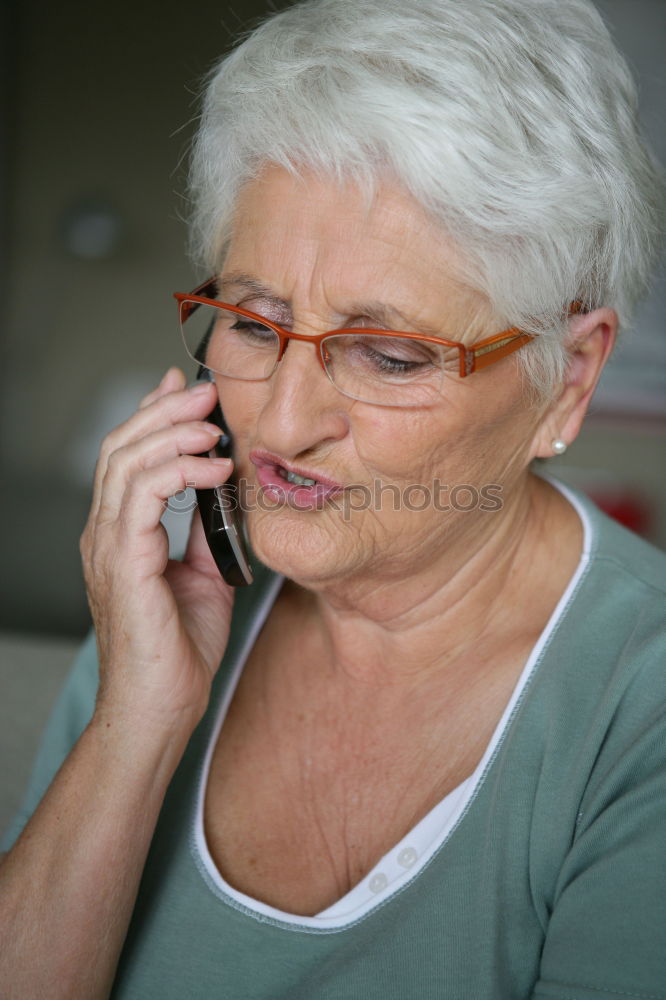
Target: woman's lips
pixel 271 472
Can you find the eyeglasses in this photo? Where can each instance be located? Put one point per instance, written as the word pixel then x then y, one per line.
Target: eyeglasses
pixel 383 367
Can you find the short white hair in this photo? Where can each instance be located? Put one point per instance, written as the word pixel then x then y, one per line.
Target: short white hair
pixel 512 122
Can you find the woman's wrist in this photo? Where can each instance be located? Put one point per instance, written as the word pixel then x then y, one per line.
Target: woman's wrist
pixel 139 743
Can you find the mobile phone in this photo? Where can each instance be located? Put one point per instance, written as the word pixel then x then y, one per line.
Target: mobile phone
pixel 219 511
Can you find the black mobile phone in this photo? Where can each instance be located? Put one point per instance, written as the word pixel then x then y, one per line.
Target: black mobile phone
pixel 219 511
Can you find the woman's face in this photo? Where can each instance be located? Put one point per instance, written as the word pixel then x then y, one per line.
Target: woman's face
pixel 314 256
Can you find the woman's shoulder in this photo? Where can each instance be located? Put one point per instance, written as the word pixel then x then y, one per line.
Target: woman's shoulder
pixel 599 688
pixel 624 596
pixel 614 552
pixel 603 660
pixel 624 552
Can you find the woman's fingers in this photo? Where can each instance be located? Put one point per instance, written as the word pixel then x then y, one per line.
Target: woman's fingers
pixel 154 449
pixel 147 491
pixel 134 538
pixel 164 411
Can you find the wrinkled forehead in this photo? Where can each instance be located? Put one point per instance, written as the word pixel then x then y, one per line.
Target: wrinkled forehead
pixel 322 244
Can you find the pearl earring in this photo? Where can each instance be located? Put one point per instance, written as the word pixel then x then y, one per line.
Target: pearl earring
pixel 559 446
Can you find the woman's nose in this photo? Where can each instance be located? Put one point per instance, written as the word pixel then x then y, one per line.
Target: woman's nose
pixel 303 407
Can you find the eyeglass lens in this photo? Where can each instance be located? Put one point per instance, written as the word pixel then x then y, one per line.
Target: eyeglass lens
pixel 385 370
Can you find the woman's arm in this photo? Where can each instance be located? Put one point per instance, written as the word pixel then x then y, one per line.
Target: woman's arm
pixel 68 886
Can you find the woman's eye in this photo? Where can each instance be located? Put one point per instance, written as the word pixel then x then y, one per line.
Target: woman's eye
pixel 252 330
pixel 395 357
pixel 385 362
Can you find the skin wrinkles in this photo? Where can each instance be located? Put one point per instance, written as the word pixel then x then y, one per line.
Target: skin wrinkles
pixel 385 574
pixel 244 290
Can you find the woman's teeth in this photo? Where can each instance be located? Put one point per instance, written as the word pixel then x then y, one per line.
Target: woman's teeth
pixel 295 479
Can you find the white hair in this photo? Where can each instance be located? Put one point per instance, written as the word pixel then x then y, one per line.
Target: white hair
pixel 512 122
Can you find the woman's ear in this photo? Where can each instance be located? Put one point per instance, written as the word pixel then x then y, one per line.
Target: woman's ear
pixel 590 342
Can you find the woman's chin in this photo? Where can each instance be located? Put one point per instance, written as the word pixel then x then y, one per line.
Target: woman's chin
pixel 308 547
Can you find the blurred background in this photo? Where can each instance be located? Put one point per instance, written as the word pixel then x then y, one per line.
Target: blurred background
pixel 97 109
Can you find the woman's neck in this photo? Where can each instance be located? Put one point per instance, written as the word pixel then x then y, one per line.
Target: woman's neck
pixel 484 592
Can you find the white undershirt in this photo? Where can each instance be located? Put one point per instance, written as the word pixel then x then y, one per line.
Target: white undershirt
pixel 404 861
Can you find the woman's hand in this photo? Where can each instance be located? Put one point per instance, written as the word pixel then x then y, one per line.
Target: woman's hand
pixel 162 626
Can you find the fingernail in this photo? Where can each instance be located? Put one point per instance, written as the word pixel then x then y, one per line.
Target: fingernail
pixel 213 429
pixel 220 461
pixel 165 376
pixel 199 387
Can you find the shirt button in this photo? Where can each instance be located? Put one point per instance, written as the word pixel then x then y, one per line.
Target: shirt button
pixel 407 857
pixel 378 882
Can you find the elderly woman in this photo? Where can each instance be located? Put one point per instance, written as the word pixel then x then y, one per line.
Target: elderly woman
pixel 423 755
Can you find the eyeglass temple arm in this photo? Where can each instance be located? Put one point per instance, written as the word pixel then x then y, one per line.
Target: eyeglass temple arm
pixel 206 290
pixel 476 358
pixel 490 351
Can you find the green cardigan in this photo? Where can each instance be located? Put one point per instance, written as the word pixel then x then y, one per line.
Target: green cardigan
pixel 552 883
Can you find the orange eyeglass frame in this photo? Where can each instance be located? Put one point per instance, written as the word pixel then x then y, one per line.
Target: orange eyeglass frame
pixel 471 359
